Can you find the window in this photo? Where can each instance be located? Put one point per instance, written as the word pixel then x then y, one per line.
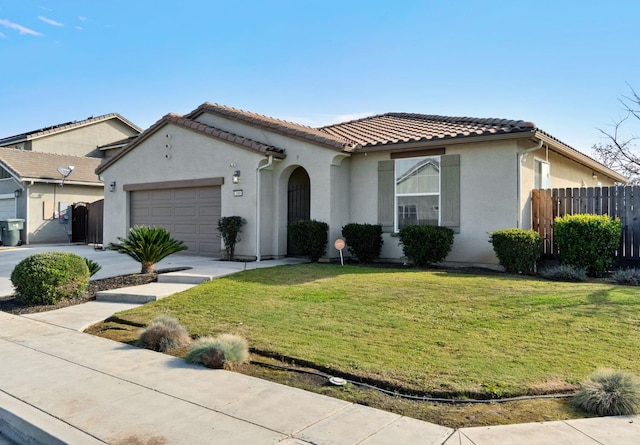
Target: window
pixel 417 191
pixel 542 175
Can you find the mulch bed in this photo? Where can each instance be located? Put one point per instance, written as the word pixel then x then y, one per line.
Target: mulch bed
pixel 9 304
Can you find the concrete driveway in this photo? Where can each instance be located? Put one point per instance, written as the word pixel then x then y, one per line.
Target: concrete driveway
pixel 113 263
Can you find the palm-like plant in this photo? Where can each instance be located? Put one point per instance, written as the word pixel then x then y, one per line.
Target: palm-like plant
pixel 148 245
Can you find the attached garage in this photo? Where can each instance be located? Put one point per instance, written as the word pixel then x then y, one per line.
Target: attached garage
pixel 7 207
pixel 189 212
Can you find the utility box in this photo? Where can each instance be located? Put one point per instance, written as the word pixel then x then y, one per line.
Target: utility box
pixel 10 231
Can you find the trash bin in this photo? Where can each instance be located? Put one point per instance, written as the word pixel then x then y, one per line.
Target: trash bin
pixel 10 231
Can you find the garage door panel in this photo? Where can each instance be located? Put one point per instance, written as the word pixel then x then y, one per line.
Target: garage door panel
pixel 190 214
pixel 190 211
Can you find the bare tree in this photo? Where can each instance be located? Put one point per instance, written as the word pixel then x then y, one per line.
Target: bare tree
pixel 620 152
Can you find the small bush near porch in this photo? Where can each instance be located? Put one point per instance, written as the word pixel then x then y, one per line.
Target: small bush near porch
pixel 433 332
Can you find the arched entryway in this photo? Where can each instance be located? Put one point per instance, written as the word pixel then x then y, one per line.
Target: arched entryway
pixel 298 200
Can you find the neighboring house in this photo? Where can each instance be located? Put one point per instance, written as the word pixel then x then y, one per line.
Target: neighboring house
pixel 79 138
pixel 473 175
pixel 32 189
pixel 30 184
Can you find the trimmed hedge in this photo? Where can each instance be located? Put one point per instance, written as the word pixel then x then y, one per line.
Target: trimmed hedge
pixel 587 241
pixel 364 241
pixel 46 278
pixel 424 244
pixel 517 249
pixel 309 238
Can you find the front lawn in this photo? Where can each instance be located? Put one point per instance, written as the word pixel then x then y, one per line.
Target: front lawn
pixel 432 332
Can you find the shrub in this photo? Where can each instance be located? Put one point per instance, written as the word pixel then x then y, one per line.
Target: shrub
pixel 587 241
pixel 93 267
pixel 148 245
pixel 46 278
pixel 364 241
pixel 564 272
pixel 226 350
pixel 163 334
pixel 309 238
pixel 627 276
pixel 230 228
pixel 609 393
pixel 517 249
pixel 424 244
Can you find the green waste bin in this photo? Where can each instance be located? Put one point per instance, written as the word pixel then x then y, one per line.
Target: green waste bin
pixel 10 231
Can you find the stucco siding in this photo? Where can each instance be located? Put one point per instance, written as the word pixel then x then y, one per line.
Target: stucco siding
pixel 177 154
pixel 40 223
pixel 83 141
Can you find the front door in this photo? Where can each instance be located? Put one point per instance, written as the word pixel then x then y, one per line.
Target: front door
pixel 298 201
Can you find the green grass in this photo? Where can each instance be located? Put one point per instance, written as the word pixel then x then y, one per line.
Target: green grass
pixel 426 331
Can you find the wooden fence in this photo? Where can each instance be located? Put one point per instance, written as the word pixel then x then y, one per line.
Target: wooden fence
pixel 95 212
pixel 620 201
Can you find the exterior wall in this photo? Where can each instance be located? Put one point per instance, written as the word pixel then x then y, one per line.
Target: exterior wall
pixel 564 173
pixel 191 156
pixel 40 224
pixel 487 201
pixel 83 141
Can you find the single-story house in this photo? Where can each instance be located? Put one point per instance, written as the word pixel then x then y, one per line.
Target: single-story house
pixel 33 187
pixel 473 175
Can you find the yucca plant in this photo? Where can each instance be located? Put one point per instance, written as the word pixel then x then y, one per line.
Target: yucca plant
pixel 148 245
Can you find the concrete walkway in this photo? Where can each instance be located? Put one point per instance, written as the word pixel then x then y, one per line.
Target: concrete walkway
pixel 58 385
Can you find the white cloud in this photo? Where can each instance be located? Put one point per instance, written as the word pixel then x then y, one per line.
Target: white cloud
pixel 82 19
pixel 79 28
pixel 49 21
pixel 21 29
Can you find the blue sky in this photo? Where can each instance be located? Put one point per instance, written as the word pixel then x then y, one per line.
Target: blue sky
pixel 560 64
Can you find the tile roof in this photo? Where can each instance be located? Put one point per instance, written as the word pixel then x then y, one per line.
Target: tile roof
pixel 206 130
pixel 276 125
pixel 30 165
pixel 398 128
pixel 64 127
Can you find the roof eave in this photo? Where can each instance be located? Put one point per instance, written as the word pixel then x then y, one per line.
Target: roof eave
pixel 59 181
pixel 440 142
pixel 579 157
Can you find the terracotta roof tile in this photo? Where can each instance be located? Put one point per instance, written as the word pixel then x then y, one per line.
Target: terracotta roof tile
pixel 397 128
pixel 64 127
pixel 276 125
pixel 35 165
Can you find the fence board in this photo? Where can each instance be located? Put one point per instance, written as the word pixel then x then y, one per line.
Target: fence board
pixel 616 201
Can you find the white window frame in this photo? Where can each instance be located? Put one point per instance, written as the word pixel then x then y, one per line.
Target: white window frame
pixel 396 195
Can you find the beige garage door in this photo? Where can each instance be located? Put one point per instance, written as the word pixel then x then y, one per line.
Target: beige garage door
pixel 190 214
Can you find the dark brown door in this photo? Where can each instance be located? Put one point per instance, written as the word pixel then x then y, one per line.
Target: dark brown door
pixel 79 223
pixel 298 201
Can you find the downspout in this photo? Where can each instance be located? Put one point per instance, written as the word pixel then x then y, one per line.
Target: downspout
pixel 519 157
pixel 258 207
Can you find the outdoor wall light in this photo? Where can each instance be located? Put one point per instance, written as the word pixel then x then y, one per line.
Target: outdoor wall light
pixel 112 186
pixel 17 193
pixel 236 177
pixel 594 176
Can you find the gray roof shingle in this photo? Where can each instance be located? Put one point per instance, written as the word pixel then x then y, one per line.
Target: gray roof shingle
pixel 43 166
